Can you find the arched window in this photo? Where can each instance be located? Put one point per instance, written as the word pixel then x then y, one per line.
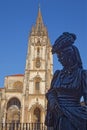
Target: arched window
pixel 14 101
pixel 37 113
pixel 18 84
pixel 37 85
pixel 13 110
pixel 38 51
pixel 37 82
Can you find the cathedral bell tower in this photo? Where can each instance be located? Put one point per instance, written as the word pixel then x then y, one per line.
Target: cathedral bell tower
pixel 38 73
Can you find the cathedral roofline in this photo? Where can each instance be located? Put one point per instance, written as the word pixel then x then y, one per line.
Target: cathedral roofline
pixel 15 75
pixel 1 89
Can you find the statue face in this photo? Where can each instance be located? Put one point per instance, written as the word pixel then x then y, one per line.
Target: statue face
pixel 67 57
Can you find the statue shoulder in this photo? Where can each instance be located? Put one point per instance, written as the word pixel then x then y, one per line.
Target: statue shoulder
pixel 55 77
pixel 84 73
pixel 56 73
pixel 84 79
pixel 84 84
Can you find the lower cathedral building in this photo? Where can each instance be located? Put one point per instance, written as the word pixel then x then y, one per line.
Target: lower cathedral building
pixel 22 99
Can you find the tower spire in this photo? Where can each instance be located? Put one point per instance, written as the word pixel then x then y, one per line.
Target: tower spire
pixel 39 6
pixel 39 27
pixel 39 17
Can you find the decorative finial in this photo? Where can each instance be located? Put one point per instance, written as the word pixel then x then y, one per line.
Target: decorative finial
pixel 39 6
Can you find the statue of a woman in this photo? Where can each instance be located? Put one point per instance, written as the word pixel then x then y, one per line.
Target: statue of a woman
pixel 64 110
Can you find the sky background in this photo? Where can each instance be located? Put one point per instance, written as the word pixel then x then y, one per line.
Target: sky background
pixel 17 18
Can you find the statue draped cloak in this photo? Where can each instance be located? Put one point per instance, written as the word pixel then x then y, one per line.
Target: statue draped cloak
pixel 66 90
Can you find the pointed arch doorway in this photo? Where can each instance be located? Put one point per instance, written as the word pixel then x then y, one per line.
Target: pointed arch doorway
pixel 37 115
pixel 13 111
pixel 37 118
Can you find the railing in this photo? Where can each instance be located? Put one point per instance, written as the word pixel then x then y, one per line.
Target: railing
pixel 22 126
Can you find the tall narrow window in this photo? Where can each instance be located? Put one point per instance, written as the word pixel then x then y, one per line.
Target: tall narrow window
pixel 38 51
pixel 37 114
pixel 37 86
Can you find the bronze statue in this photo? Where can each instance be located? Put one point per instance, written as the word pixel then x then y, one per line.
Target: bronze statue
pixel 64 110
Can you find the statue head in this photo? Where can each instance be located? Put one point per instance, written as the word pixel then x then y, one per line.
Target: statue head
pixel 67 53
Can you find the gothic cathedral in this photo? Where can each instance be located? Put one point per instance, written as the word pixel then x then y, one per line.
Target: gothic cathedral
pixel 23 97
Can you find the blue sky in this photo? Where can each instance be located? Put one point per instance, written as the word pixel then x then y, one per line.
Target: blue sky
pixel 17 18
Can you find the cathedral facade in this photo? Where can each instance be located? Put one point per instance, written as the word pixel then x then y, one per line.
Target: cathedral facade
pixel 23 97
